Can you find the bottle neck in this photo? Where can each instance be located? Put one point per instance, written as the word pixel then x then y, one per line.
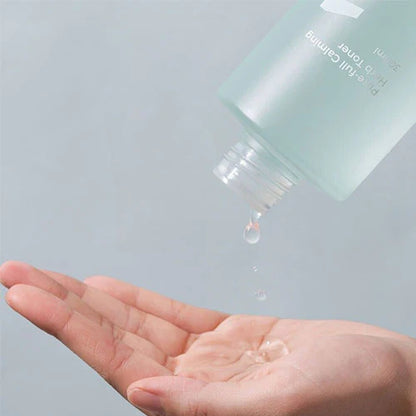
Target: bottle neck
pixel 257 174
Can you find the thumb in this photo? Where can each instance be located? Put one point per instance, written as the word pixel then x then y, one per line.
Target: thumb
pixel 168 395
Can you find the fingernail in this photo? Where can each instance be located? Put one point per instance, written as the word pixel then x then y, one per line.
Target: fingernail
pixel 145 400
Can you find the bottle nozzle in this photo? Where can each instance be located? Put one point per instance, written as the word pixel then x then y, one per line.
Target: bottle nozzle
pixel 256 174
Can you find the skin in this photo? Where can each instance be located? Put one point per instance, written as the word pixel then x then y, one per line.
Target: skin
pixel 170 358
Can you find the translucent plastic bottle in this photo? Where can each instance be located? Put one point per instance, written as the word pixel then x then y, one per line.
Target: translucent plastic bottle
pixel 324 96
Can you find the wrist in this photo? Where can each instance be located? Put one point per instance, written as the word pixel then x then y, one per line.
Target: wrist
pixel 400 374
pixel 413 377
pixel 408 350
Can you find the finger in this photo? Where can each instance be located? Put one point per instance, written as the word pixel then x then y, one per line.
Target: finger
pixel 70 283
pixel 13 273
pixel 170 339
pixel 103 350
pixel 154 395
pixel 183 396
pixel 189 318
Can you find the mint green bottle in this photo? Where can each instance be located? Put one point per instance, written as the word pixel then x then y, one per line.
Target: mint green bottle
pixel 324 96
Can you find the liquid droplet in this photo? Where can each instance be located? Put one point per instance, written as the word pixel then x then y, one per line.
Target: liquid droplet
pixel 275 348
pixel 252 230
pixel 252 233
pixel 260 295
pixel 255 269
pixel 257 356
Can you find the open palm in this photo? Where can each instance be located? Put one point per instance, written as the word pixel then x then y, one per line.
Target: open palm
pixel 202 362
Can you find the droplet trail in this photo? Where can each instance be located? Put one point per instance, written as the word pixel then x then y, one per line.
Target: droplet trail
pixel 260 295
pixel 254 216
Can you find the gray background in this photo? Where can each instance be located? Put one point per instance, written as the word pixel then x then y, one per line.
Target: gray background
pixel 110 130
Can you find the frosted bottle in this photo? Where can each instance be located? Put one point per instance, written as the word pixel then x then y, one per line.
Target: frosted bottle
pixel 324 96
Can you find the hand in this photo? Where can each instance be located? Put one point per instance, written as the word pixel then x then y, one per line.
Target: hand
pixel 170 358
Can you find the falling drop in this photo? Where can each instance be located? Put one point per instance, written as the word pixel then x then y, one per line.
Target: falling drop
pixel 255 269
pixel 252 233
pixel 252 230
pixel 260 295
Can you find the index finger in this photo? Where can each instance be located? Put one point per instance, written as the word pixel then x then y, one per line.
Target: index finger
pixel 103 350
pixel 190 318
